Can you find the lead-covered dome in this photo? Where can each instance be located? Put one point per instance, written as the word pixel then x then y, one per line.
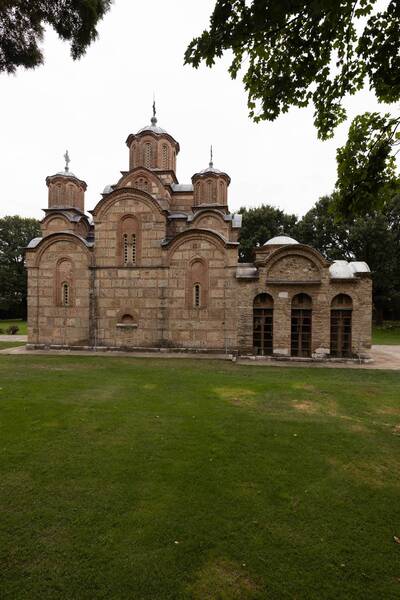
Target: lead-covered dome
pixel 281 240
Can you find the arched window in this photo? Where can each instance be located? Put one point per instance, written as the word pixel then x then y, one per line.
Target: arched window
pixel 165 156
pixel 209 191
pixel 148 158
pixel 214 191
pixel 71 194
pixel 263 313
pixel 133 156
pixel 197 284
pixel 196 295
pixel 58 193
pixel 341 326
pixel 198 193
pixel 65 297
pixel 301 325
pixel 129 233
pixel 63 283
pixel 221 193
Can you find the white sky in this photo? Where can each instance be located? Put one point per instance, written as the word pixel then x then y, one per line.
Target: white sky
pixel 91 106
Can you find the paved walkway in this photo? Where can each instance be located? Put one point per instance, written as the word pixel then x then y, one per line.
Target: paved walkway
pixel 13 338
pixel 383 357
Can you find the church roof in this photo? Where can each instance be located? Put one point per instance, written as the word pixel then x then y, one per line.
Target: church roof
pixel 341 269
pixel 154 128
pixel 281 240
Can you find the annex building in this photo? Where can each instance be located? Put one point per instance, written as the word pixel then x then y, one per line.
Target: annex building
pixel 156 266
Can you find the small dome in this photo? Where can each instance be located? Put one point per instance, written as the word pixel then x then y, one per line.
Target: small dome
pixel 210 170
pixel 65 174
pixel 340 269
pixel 281 240
pixel 153 129
pixel 359 267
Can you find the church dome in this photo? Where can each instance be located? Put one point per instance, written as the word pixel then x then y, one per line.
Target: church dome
pixel 153 128
pixel 281 240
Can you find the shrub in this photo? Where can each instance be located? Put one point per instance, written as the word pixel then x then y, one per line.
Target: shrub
pixel 1 331
pixel 12 330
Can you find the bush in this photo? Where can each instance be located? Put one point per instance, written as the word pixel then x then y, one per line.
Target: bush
pixel 12 330
pixel 1 331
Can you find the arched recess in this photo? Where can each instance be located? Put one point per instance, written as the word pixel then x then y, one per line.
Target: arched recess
pixel 129 241
pixel 63 236
pixel 197 284
pixel 64 283
pixel 263 313
pixel 120 195
pixel 341 326
pixel 301 325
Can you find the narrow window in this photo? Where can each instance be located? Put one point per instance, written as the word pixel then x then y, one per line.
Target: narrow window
pixel 209 191
pixel 147 155
pixel 133 248
pixel 165 156
pixel 126 249
pixel 196 295
pixel 65 294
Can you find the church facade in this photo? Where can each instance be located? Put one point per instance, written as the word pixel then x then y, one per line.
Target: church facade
pixel 156 266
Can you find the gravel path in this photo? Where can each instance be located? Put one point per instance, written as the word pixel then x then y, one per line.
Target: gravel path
pixel 383 357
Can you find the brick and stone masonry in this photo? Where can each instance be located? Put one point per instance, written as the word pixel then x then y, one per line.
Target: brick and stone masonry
pixel 156 266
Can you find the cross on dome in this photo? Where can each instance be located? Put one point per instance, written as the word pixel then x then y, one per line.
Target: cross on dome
pixel 67 161
pixel 154 118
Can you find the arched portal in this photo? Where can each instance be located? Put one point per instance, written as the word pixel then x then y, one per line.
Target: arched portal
pixel 301 325
pixel 341 313
pixel 263 312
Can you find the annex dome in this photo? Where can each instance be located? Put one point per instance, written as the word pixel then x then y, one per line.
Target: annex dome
pixel 281 240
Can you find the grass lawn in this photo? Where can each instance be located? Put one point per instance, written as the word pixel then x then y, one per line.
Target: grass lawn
pixel 386 334
pixel 178 479
pixel 22 327
pixel 4 345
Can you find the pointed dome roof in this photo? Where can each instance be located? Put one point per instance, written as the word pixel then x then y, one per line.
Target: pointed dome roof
pixel 211 169
pixel 154 129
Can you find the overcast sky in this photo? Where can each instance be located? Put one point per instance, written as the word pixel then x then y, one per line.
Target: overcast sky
pixel 91 106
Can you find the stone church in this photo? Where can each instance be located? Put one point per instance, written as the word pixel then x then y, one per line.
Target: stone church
pixel 156 266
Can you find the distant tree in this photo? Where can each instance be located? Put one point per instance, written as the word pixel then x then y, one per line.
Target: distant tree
pixel 374 238
pixel 15 234
pixel 259 225
pixel 22 24
pixel 299 52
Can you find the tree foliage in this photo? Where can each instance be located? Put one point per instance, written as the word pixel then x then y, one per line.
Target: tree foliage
pixel 22 24
pixel 297 52
pixel 15 234
pixel 259 225
pixel 374 238
pixel 366 165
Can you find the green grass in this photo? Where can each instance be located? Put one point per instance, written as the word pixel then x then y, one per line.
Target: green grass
pixel 22 326
pixel 388 333
pixel 4 345
pixel 178 479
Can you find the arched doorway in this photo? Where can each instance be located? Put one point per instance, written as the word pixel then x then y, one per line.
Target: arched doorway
pixel 263 311
pixel 301 325
pixel 341 312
